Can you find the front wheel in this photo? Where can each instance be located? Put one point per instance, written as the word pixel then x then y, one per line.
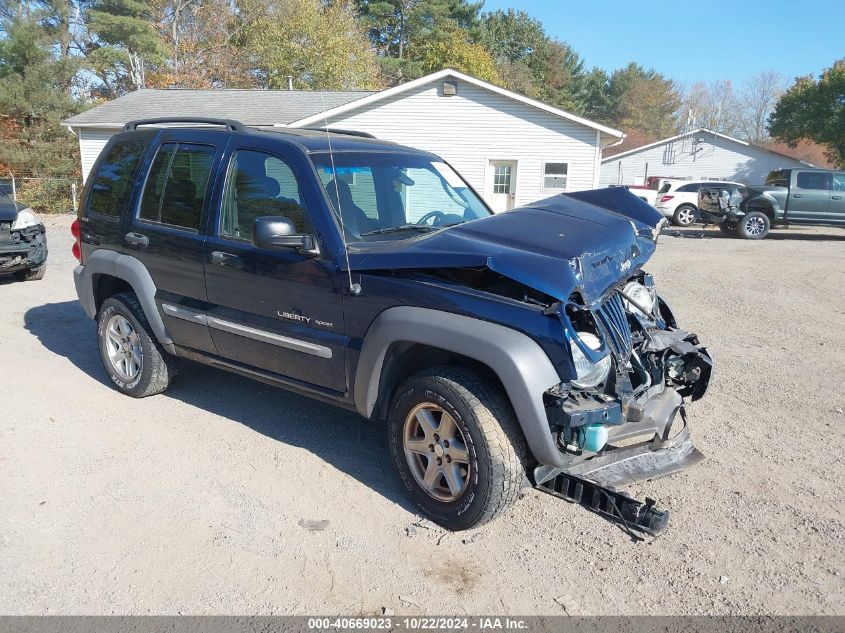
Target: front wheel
pixel 754 226
pixel 457 446
pixel 684 215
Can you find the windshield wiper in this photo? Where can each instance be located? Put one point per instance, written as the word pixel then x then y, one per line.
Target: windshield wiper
pixel 401 227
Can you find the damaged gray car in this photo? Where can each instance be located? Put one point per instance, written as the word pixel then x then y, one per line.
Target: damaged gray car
pixel 23 241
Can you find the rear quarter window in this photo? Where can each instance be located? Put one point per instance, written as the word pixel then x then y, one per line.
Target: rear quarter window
pixel 112 183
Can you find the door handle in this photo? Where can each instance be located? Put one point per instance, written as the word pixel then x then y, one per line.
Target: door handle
pixel 136 239
pixel 836 197
pixel 219 258
pixel 797 195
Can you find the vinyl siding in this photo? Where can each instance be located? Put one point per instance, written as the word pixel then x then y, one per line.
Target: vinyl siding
pixel 476 126
pixel 718 158
pixel 91 143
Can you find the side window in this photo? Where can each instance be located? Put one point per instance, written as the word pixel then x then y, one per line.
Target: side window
pixel 112 183
pixel 176 185
pixel 839 182
pixel 259 184
pixel 360 183
pixel 813 180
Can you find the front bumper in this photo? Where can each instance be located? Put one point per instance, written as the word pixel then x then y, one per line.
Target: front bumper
pixel 663 449
pixel 22 250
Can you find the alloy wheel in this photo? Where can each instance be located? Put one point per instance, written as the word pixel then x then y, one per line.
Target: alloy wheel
pixel 436 451
pixel 686 217
pixel 123 346
pixel 755 226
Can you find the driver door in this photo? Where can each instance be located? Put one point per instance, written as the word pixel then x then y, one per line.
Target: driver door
pixel 275 310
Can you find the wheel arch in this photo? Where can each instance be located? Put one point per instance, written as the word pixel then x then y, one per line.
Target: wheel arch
pixel 107 272
pixel 404 339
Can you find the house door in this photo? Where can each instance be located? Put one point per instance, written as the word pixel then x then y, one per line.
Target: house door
pixel 503 192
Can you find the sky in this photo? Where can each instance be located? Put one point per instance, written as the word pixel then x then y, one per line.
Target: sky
pixel 696 41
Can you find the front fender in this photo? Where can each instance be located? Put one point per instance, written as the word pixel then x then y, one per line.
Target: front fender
pixel 519 362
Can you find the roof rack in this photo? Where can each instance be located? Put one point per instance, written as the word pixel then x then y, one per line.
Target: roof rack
pixel 229 124
pixel 334 130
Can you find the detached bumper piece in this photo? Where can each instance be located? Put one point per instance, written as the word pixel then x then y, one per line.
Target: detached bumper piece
pixel 632 514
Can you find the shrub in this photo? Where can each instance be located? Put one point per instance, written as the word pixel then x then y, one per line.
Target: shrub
pixel 47 195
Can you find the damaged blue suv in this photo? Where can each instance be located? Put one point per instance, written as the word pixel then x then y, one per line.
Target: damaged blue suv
pixel 528 347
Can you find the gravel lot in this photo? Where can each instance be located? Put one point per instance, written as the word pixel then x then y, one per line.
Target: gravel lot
pixel 203 500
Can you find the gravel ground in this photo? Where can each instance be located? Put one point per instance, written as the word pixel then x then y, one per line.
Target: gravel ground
pixel 208 499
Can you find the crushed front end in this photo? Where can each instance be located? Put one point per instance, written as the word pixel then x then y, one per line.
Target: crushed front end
pixel 23 248
pixel 621 419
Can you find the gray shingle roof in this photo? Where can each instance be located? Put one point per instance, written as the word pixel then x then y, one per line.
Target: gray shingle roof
pixel 251 107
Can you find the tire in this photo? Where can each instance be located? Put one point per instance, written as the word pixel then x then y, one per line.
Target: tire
pixel 729 230
pixel 31 274
pixel 685 215
pixel 754 226
pixel 492 470
pixel 122 317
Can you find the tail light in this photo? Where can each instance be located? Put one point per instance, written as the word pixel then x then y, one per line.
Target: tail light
pixel 77 244
pixel 666 198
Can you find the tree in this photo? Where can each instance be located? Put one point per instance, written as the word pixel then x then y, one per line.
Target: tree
pixel 759 96
pixel 512 36
pixel 123 42
pixel 34 99
pixel 320 46
pixel 597 103
pixel 453 49
pixel 714 106
pixel 561 76
pixel 643 100
pixel 205 42
pixel 814 110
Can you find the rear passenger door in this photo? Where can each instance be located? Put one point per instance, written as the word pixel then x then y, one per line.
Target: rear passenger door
pixel 809 197
pixel 166 232
pixel 837 199
pixel 275 310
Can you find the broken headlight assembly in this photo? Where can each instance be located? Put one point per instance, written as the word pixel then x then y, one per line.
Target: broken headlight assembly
pixel 589 374
pixel 26 218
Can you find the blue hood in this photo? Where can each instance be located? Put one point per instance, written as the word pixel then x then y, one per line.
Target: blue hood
pixel 9 209
pixel 584 241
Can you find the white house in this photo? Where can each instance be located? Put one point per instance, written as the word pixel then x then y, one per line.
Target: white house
pixel 512 149
pixel 697 155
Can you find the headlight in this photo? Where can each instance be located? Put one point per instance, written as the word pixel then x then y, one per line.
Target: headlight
pixel 26 218
pixel 636 293
pixel 589 374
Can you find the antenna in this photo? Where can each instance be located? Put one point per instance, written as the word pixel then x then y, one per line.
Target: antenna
pixel 354 289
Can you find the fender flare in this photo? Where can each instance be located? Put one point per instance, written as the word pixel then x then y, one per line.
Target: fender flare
pixel 520 363
pixel 133 272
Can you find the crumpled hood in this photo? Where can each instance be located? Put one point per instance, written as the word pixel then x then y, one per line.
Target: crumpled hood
pixel 556 246
pixel 9 209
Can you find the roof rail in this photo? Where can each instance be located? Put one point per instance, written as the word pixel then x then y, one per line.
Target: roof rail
pixel 230 124
pixel 335 130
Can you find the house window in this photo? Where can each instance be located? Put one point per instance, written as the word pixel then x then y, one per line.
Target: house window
pixel 554 176
pixel 502 178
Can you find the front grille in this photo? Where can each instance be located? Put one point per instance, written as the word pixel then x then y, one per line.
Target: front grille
pixel 5 230
pixel 612 319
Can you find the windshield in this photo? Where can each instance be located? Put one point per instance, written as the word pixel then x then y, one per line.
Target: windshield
pixel 386 195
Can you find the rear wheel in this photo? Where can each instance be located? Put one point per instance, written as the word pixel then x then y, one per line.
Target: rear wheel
pixel 684 215
pixel 31 274
pixel 131 354
pixel 754 226
pixel 457 446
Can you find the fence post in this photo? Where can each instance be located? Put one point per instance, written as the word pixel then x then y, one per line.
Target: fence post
pixel 73 196
pixel 14 190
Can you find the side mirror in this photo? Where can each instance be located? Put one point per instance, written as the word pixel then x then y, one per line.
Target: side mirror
pixel 276 232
